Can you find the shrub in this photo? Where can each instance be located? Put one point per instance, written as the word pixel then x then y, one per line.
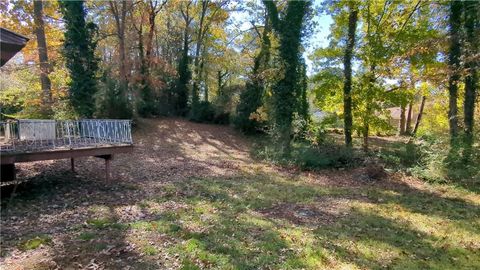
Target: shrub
pixel 308 156
pixel 112 100
pixel 250 102
pixel 432 159
pixel 202 113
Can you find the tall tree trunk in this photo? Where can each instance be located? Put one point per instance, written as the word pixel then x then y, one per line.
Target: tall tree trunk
pixel 454 65
pixel 196 64
pixel 471 64
pixel 151 22
pixel 401 126
pixel 141 54
pixel 408 125
pixel 289 28
pixel 120 16
pixel 365 131
pixel 347 87
pixel 42 54
pixel 184 74
pixel 154 9
pixel 419 116
pixel 369 110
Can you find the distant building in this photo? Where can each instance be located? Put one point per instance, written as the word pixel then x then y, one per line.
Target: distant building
pixel 395 114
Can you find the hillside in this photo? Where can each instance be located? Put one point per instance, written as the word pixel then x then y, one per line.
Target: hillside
pixel 190 196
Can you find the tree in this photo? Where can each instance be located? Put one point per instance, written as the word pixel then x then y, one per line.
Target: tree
pixel 455 21
pixel 209 12
pixel 119 11
pixel 289 30
pixel 472 26
pixel 252 98
pixel 347 64
pixel 79 52
pixel 42 55
pixel 183 69
pixel 147 103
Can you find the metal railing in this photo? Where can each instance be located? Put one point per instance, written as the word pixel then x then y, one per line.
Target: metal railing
pixel 35 135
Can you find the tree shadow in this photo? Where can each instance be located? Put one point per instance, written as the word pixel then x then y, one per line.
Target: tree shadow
pixel 378 242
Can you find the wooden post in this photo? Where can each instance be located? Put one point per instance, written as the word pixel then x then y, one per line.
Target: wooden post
pixel 72 163
pixel 107 158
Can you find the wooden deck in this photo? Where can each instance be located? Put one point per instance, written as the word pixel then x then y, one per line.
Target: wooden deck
pixel 8 159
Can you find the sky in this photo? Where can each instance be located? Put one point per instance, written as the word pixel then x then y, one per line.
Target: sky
pixel 318 38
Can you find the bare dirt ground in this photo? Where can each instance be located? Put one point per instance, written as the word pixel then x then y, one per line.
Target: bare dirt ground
pixel 83 222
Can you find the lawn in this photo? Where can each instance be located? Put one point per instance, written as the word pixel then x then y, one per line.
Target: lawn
pixel 225 210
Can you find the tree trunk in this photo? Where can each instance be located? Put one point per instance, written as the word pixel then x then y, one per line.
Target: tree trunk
pixel 419 116
pixel 289 28
pixel 347 87
pixel 365 131
pixel 471 78
pixel 184 74
pixel 42 54
pixel 120 16
pixel 154 9
pixel 408 125
pixel 454 65
pixel 401 126
pixel 196 64
pixel 369 110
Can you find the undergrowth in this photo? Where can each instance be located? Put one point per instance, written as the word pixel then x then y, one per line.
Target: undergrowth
pixel 427 158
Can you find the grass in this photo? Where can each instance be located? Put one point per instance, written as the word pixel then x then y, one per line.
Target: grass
pixel 237 223
pixel 263 217
pixel 35 242
pixel 87 236
pixel 150 250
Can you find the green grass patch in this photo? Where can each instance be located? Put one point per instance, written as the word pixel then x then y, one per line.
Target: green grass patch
pixel 35 242
pixel 102 223
pixel 150 250
pixel 87 236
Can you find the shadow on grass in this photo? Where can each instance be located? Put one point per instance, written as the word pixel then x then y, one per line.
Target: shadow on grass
pixel 240 237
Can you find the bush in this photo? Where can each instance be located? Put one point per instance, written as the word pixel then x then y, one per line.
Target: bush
pixel 432 159
pixel 146 105
pixel 112 100
pixel 307 156
pixel 250 102
pixel 202 113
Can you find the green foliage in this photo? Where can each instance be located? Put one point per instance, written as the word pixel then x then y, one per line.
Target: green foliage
pixel 430 158
pixel 112 101
pixel 284 99
pixel 79 52
pixel 305 155
pixel 302 117
pixel 225 103
pixel 203 112
pixel 21 95
pixel 368 106
pixel 250 100
pixel 326 90
pixel 146 105
pixel 181 86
